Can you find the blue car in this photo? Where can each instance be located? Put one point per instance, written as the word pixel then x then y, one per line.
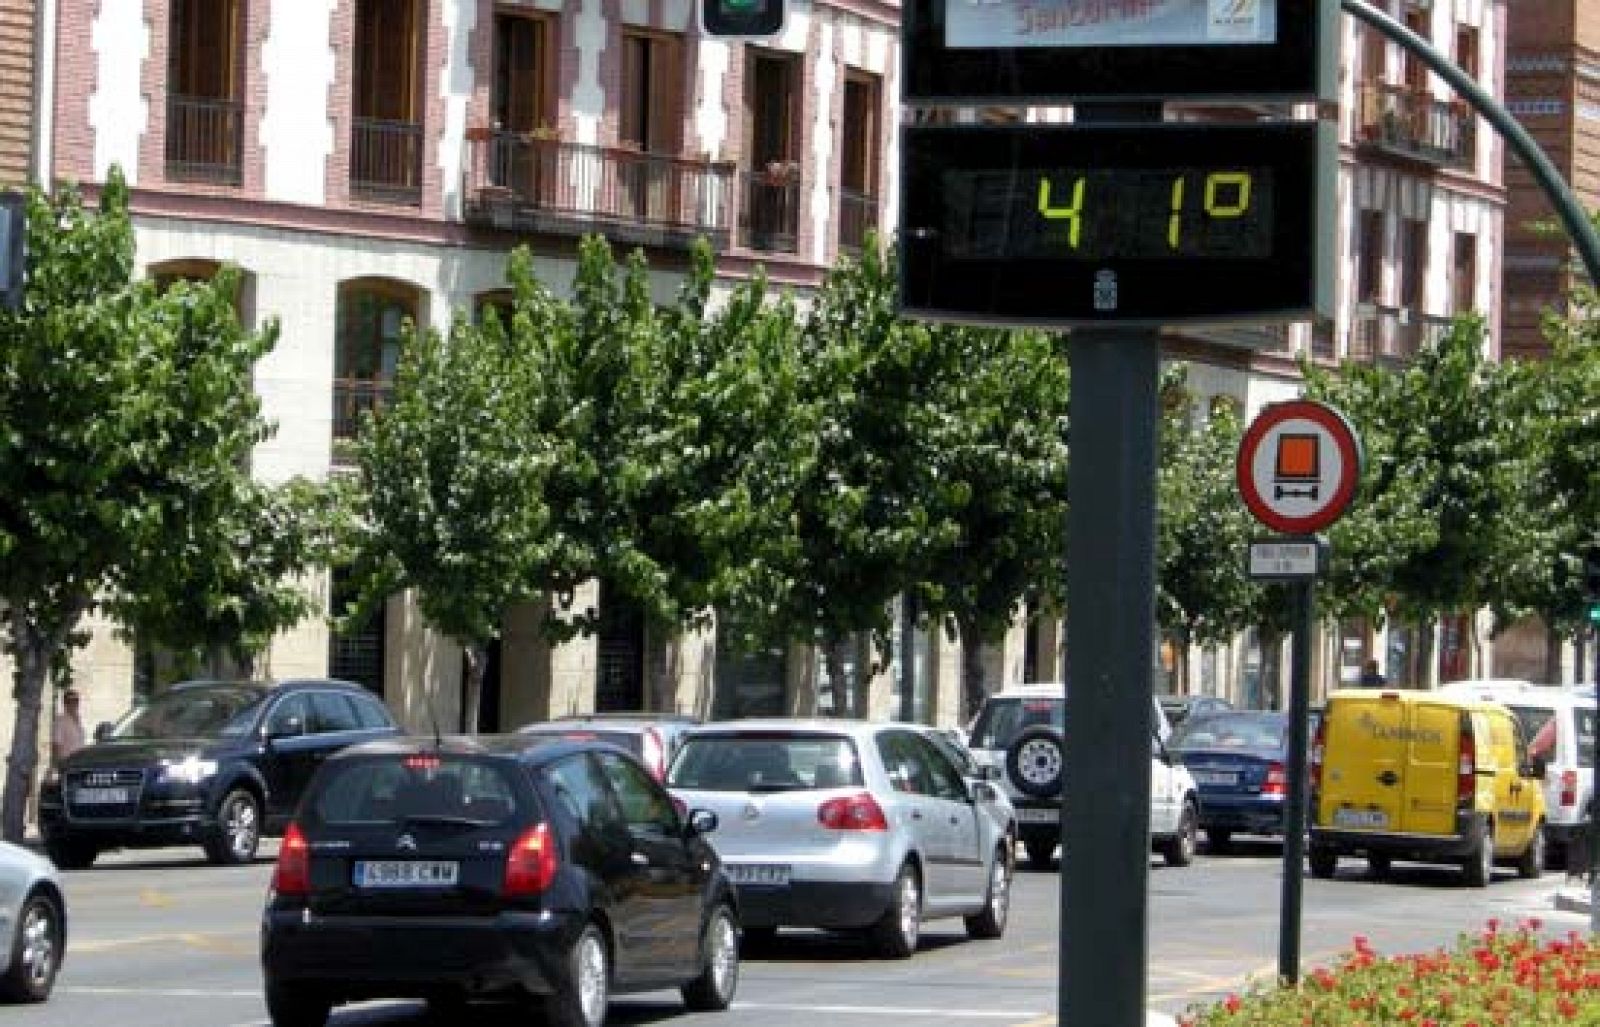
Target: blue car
pixel 1239 760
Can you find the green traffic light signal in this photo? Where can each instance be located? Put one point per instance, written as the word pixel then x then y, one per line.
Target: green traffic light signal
pixel 1594 614
pixel 742 19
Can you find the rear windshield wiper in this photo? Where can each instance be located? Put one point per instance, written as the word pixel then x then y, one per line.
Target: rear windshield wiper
pixel 447 820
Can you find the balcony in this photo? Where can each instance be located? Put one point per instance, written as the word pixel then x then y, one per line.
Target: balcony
pixel 1399 121
pixel 386 161
pixel 1393 335
pixel 525 183
pixel 770 217
pixel 205 139
pixel 858 216
pixel 353 397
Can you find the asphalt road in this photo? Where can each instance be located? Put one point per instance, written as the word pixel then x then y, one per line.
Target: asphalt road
pixel 165 940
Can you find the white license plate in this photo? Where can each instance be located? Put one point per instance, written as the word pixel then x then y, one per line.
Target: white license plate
pixel 1368 818
pixel 101 796
pixel 407 873
pixel 1214 777
pixel 1038 816
pixel 758 873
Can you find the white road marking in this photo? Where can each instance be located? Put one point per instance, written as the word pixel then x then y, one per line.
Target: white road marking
pixel 952 1014
pixel 91 989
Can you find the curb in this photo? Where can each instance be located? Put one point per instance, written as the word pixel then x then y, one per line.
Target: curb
pixel 1570 900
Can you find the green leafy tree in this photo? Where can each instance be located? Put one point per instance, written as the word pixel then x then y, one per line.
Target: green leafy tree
pixel 453 474
pixel 126 423
pixel 1203 530
pixel 999 452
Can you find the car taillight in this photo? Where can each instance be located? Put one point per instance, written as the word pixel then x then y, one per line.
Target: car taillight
pixel 531 863
pixel 1277 781
pixel 1467 766
pixel 1316 755
pixel 1569 788
pixel 655 754
pixel 292 875
pixel 859 812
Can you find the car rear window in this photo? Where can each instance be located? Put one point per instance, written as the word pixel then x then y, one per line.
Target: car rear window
pixel 1002 720
pixel 1230 731
pixel 1539 721
pixel 775 762
pixel 396 788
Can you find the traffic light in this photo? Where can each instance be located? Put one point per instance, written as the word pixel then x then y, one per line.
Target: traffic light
pixel 741 18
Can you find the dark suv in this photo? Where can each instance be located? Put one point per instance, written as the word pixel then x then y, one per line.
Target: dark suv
pixel 211 763
pixel 519 866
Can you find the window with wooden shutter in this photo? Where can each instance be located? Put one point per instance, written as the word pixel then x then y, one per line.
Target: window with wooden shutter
pixel 651 118
pixel 204 113
pixel 522 73
pixel 858 159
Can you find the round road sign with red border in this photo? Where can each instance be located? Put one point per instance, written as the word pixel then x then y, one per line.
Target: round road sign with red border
pixel 1299 466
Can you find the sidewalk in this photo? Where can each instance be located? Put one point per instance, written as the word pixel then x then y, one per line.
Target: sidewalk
pixel 1573 897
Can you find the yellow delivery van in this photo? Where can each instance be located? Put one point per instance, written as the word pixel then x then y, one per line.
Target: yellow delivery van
pixel 1426 776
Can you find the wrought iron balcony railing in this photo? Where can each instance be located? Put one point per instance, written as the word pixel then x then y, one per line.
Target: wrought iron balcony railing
pixel 858 215
pixel 386 161
pixel 353 397
pixel 528 183
pixel 205 139
pixel 1391 334
pixel 770 217
pixel 1406 122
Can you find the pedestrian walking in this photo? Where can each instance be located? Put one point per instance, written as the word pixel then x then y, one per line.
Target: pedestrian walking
pixel 66 734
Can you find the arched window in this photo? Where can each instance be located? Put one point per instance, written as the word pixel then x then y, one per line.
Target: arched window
pixel 501 301
pixel 371 316
pixel 203 269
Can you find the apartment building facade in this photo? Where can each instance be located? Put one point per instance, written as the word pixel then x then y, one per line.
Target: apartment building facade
pixel 364 162
pixel 1553 89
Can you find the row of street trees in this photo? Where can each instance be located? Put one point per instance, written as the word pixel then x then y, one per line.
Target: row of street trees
pixel 793 470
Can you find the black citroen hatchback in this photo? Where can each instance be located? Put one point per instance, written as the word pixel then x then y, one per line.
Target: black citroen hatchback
pixel 522 866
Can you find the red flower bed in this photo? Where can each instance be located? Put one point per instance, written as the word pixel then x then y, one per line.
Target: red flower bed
pixel 1513 978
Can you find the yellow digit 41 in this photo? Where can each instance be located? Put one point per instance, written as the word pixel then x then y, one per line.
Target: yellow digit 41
pixel 1073 212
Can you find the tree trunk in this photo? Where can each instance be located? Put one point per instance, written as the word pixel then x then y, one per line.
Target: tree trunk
pixel 1271 670
pixel 1425 658
pixel 973 692
pixel 1552 655
pixel 32 650
pixel 803 702
pixel 838 687
pixel 664 686
pixel 1478 669
pixel 477 658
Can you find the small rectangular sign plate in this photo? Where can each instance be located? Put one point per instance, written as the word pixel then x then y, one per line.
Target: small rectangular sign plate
pixel 1283 559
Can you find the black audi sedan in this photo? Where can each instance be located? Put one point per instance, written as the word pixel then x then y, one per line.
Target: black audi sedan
pixel 210 763
pixel 529 867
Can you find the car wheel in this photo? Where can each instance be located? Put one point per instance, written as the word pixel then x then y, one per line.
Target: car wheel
pixel 1179 850
pixel 581 998
pixel 1035 761
pixel 1324 862
pixel 713 990
pixel 70 855
pixel 296 1007
pixel 1531 865
pixel 1478 867
pixel 238 831
pixel 1040 851
pixel 1217 839
pixel 895 934
pixel 36 950
pixel 991 921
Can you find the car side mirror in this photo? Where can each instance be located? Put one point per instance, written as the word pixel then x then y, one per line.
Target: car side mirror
pixel 702 821
pixel 102 731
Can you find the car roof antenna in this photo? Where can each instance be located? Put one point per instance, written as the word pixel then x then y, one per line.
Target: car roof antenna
pixel 433 721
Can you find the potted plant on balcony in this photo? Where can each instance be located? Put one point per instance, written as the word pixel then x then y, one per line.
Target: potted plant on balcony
pixel 780 173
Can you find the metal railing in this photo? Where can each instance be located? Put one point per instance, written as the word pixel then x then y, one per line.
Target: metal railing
pixel 353 397
pixel 205 139
pixel 858 215
pixel 386 161
pixel 526 182
pixel 770 216
pixel 1393 334
pixel 1413 123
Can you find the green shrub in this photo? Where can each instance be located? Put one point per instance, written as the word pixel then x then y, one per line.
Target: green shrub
pixel 1514 978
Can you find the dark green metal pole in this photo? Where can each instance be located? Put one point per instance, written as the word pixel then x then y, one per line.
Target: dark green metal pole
pixel 1105 815
pixel 1294 820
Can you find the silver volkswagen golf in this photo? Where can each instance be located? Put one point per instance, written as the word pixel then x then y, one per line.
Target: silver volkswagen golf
pixel 848 825
pixel 33 925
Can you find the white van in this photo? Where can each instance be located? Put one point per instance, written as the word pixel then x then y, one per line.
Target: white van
pixel 1558 723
